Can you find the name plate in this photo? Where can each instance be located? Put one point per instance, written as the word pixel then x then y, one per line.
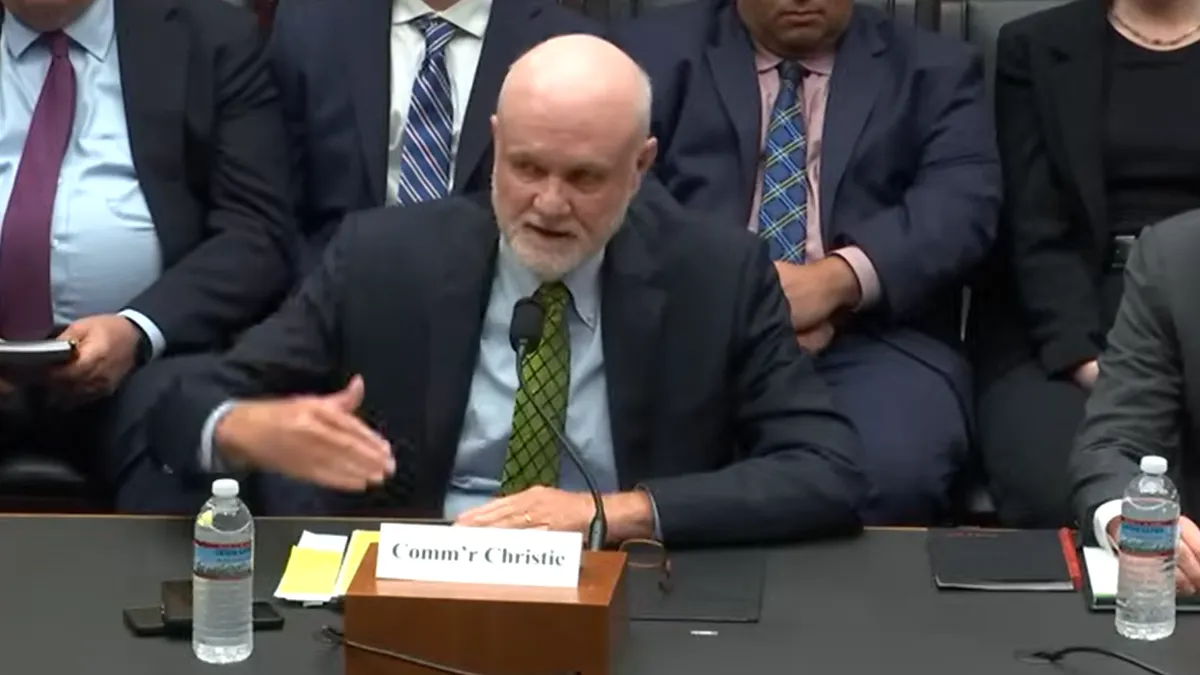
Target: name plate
pixel 479 555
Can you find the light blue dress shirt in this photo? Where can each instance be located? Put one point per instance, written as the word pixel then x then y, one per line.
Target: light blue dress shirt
pixel 487 425
pixel 104 248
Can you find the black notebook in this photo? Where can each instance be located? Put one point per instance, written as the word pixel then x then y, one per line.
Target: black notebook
pixel 1002 560
pixel 714 586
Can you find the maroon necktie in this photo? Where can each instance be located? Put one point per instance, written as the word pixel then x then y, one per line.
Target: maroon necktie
pixel 25 310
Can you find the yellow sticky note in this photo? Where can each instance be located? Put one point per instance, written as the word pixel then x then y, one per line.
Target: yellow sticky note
pixel 360 541
pixel 310 575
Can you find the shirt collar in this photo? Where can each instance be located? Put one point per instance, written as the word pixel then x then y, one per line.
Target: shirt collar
pixel 469 16
pixel 583 281
pixel 93 31
pixel 821 64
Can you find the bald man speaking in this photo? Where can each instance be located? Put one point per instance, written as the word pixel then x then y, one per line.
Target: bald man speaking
pixel 666 356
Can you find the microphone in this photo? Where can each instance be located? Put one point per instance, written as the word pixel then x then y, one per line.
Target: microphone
pixel 524 334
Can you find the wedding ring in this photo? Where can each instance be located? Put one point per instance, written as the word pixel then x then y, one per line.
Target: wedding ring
pixel 528 520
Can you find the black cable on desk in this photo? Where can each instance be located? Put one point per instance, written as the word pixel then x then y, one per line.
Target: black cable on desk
pixel 1054 657
pixel 335 636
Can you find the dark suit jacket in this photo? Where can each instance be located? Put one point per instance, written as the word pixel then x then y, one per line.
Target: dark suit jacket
pixel 1146 399
pixel 714 407
pixel 1041 298
pixel 206 136
pixel 909 172
pixel 333 62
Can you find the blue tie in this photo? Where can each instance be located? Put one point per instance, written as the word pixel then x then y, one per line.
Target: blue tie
pixel 425 152
pixel 783 212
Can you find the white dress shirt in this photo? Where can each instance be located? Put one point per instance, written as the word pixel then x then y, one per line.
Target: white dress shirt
pixel 408 51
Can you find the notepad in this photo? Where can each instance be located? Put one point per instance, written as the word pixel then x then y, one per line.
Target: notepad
pixel 312 569
pixel 360 541
pixel 1101 570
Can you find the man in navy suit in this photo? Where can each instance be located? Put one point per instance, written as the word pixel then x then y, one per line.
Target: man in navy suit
pixel 387 101
pixel 863 154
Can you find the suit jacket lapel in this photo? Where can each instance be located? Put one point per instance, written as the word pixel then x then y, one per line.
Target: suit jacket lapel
pixel 1076 87
pixel 502 45
pixel 631 311
pixel 730 57
pixel 467 261
pixel 367 35
pixel 153 49
pixel 853 88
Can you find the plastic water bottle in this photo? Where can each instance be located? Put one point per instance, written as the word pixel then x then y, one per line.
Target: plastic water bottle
pixel 1148 537
pixel 223 578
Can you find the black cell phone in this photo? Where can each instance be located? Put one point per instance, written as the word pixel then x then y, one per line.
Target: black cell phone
pixel 177 609
pixel 145 621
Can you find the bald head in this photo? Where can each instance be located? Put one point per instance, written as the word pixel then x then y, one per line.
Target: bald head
pixel 582 78
pixel 572 142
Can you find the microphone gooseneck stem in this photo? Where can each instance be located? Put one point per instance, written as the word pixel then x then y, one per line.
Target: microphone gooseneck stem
pixel 597 532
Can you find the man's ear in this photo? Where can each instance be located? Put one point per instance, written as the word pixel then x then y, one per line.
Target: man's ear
pixel 647 155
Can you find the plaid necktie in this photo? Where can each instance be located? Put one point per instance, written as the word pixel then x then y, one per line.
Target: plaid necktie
pixel 25 304
pixel 425 152
pixel 546 375
pixel 783 212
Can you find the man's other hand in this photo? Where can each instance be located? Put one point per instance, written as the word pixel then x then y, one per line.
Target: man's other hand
pixel 538 507
pixel 817 290
pixel 1187 558
pixel 105 353
pixel 1187 555
pixel 816 340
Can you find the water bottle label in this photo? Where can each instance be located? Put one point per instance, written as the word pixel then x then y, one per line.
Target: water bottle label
pixel 1148 537
pixel 223 561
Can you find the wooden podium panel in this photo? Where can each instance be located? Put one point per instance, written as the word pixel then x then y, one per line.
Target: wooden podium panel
pixel 485 628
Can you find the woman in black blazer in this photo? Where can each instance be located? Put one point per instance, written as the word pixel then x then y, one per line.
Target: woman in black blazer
pixel 1098 116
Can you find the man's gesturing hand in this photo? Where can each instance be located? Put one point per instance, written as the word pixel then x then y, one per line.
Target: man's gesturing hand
pixel 318 439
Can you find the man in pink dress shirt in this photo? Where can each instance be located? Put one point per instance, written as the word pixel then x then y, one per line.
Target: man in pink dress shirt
pixel 863 153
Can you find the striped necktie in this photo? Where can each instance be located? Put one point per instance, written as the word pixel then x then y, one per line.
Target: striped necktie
pixel 783 212
pixel 425 152
pixel 545 378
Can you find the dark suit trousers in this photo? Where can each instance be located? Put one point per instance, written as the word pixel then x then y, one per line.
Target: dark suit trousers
pixel 1027 425
pixel 911 422
pixel 31 424
pixel 105 440
pixel 136 476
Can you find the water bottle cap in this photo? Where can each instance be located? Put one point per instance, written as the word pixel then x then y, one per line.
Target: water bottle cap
pixel 1154 465
pixel 225 487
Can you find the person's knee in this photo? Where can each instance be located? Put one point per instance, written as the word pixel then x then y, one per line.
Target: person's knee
pixel 148 488
pixel 1027 424
pixel 124 434
pixel 912 470
pixel 914 493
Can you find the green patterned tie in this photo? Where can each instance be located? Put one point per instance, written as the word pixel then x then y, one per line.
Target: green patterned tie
pixel 546 374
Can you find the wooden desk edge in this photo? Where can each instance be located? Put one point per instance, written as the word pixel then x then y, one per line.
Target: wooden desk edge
pixel 308 519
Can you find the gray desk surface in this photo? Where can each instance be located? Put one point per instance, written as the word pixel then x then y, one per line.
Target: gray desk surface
pixel 863 606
